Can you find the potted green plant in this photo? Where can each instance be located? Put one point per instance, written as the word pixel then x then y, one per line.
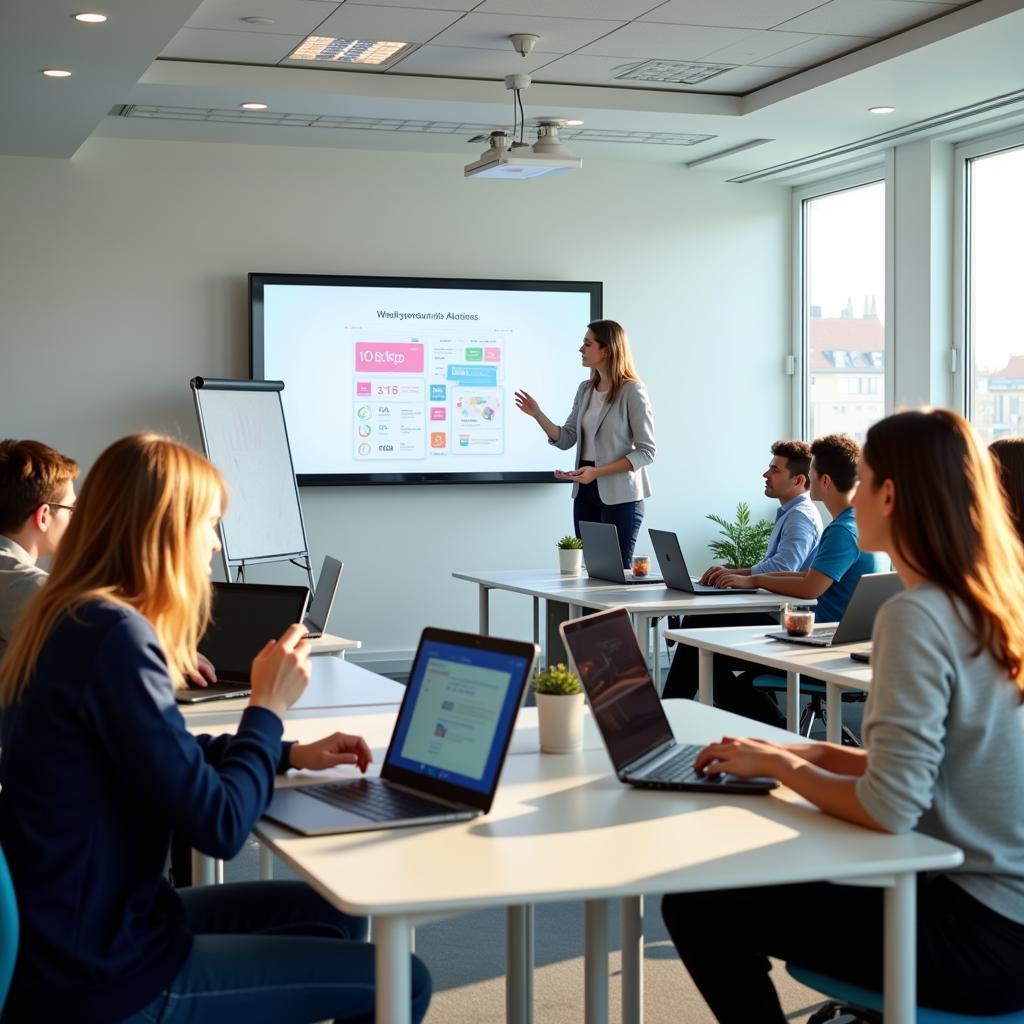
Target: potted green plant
pixel 570 556
pixel 559 709
pixel 745 543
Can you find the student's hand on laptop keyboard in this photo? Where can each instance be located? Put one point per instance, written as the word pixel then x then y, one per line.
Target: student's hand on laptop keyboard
pixel 710 577
pixel 207 672
pixel 744 758
pixel 733 581
pixel 281 671
pixel 337 749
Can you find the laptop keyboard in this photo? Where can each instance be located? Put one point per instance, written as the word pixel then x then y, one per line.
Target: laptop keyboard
pixel 678 768
pixel 374 800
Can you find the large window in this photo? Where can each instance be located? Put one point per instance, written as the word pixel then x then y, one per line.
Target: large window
pixel 994 303
pixel 843 309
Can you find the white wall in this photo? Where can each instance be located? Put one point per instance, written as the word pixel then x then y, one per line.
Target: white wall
pixel 123 274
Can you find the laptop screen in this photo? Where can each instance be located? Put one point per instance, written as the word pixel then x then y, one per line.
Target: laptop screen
pixel 244 617
pixel 625 703
pixel 459 710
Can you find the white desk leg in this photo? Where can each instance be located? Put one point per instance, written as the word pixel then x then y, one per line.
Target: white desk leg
pixel 205 870
pixel 595 962
pixel 900 950
pixel 575 611
pixel 536 620
pixel 519 965
pixel 705 672
pixel 656 670
pixel 394 970
pixel 266 863
pixel 793 701
pixel 485 610
pixel 833 713
pixel 631 910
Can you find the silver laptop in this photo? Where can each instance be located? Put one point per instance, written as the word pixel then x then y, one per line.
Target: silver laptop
pixel 673 566
pixel 319 613
pixel 872 591
pixel 447 749
pixel 603 556
pixel 243 617
pixel 629 713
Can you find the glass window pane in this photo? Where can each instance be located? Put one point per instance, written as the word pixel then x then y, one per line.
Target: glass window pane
pixel 995 336
pixel 844 292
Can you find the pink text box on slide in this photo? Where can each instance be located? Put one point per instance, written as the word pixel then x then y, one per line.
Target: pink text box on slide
pixel 388 357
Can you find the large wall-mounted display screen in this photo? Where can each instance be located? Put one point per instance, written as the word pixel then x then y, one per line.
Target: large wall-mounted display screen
pixel 412 380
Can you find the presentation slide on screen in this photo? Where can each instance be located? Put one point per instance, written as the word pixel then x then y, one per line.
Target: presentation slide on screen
pixel 422 380
pixel 457 712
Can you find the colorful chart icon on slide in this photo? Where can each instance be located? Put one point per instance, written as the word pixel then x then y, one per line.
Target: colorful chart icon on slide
pixel 364 449
pixel 365 429
pixel 363 412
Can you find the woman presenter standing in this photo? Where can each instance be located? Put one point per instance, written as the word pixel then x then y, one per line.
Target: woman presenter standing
pixel 612 426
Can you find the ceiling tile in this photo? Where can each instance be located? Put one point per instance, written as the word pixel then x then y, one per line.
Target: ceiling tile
pixel 605 10
pixel 730 13
pixel 815 51
pixel 291 17
pixel 876 18
pixel 758 46
pixel 396 24
pixel 468 62
pixel 491 31
pixel 741 80
pixel 667 42
pixel 579 70
pixel 431 5
pixel 238 47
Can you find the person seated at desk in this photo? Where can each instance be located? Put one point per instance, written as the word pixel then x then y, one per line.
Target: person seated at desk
pixel 944 753
pixel 1008 456
pixel 97 768
pixel 793 541
pixel 37 497
pixel 834 573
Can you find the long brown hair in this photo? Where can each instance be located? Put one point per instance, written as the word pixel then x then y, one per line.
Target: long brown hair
pixel 950 523
pixel 611 336
pixel 133 541
pixel 1008 453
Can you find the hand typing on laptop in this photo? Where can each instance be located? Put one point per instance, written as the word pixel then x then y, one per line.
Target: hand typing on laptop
pixel 337 749
pixel 207 672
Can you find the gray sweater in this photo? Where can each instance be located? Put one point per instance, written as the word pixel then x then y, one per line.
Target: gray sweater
pixel 944 730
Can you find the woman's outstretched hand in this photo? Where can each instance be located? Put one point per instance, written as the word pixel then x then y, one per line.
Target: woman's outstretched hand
pixel 527 403
pixel 281 671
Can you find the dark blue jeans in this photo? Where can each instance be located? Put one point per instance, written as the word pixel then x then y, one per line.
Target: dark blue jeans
pixel 587 507
pixel 273 952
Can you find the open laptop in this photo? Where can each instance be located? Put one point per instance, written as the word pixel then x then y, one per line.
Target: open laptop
pixel 244 616
pixel 628 711
pixel 603 556
pixel 319 613
pixel 673 566
pixel 872 591
pixel 447 749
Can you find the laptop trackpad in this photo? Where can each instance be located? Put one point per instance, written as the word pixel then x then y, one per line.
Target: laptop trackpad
pixel 306 814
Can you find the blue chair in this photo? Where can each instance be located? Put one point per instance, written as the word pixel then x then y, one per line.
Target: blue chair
pixel 8 929
pixel 816 706
pixel 846 993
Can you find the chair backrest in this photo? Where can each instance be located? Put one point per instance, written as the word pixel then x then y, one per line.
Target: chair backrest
pixel 8 929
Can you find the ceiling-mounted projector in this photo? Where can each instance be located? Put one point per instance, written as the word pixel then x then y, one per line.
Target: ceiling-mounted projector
pixel 502 160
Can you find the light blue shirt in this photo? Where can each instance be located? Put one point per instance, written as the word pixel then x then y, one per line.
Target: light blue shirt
pixel 794 537
pixel 839 558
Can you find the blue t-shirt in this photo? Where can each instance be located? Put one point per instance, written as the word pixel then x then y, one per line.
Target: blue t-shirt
pixel 839 558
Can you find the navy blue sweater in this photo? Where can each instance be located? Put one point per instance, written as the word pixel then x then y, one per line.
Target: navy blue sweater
pixel 97 768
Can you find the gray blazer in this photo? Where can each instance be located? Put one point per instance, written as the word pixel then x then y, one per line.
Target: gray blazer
pixel 625 429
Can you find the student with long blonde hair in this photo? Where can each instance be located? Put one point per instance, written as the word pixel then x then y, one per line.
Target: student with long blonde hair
pixel 611 425
pixel 97 768
pixel 943 752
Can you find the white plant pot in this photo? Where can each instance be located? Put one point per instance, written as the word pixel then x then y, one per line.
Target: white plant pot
pixel 570 561
pixel 560 717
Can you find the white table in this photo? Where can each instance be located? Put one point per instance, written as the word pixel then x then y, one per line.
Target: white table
pixel 833 665
pixel 563 828
pixel 645 602
pixel 328 643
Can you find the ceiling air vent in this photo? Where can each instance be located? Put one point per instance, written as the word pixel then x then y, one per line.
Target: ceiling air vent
pixel 676 72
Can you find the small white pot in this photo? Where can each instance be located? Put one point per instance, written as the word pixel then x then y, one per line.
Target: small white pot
pixel 560 717
pixel 570 561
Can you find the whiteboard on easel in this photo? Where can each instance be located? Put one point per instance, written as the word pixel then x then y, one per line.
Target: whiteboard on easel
pixel 246 438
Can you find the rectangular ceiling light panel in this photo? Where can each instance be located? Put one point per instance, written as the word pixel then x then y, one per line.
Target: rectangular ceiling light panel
pixel 330 50
pixel 672 71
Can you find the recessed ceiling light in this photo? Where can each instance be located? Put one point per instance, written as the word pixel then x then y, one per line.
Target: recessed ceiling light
pixel 331 50
pixel 259 21
pixel 56 73
pixel 91 18
pixel 253 106
pixel 881 110
pixel 574 123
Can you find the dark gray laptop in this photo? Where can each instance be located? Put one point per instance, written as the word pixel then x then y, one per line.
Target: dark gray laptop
pixel 243 617
pixel 628 711
pixel 872 591
pixel 447 749
pixel 603 556
pixel 673 566
pixel 319 613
